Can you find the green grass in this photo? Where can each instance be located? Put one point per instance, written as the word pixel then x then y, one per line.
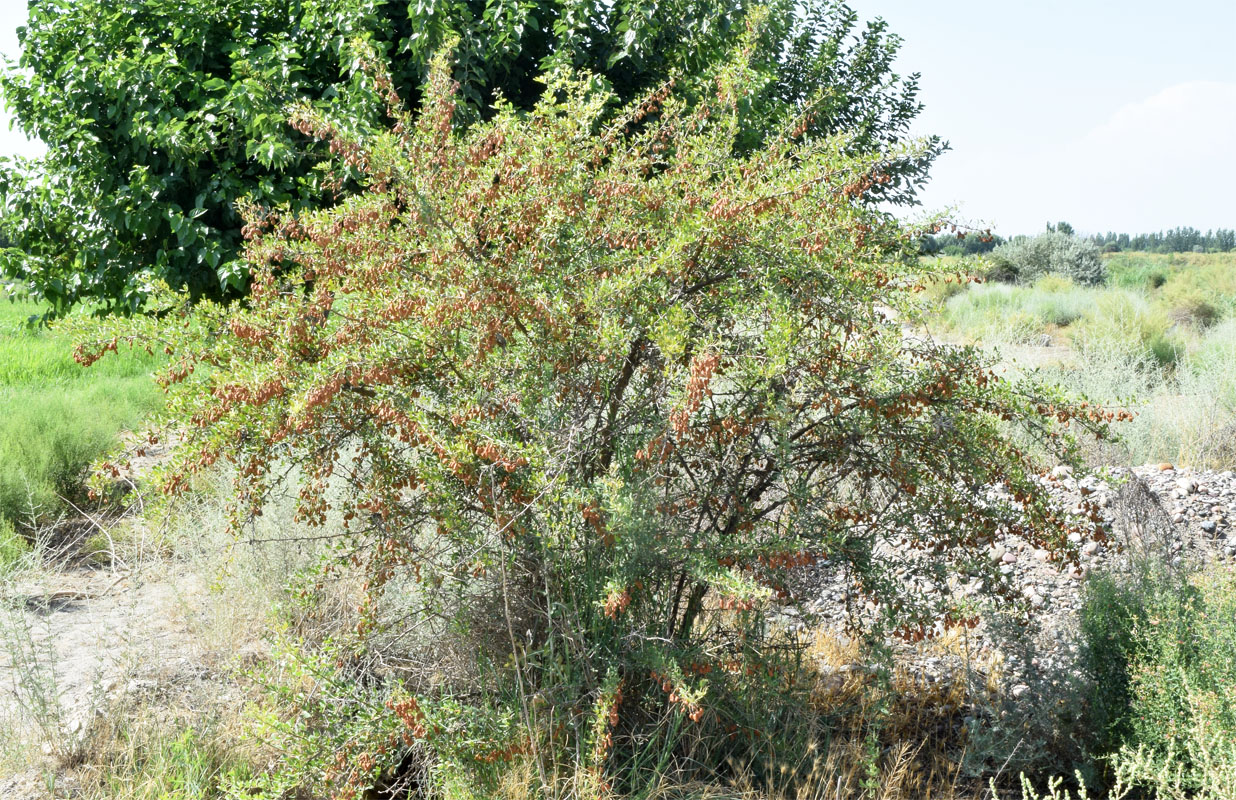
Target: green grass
pixel 56 416
pixel 1159 339
pixel 148 761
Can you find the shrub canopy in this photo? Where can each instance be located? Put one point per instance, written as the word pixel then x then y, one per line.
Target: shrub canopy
pixel 1026 259
pixel 160 115
pixel 589 386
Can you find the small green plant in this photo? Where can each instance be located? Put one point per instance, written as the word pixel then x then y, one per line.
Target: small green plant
pixel 12 546
pixel 140 752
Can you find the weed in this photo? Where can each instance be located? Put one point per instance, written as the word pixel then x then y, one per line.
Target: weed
pixel 138 754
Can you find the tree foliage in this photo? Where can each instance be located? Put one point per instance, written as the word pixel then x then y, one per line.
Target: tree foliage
pixel 576 390
pixel 1176 240
pixel 160 115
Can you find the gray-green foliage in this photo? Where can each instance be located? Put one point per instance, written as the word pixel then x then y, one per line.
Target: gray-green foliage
pixel 1025 259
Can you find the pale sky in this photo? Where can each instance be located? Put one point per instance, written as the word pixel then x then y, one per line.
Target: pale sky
pixel 12 142
pixel 1109 115
pixel 1117 115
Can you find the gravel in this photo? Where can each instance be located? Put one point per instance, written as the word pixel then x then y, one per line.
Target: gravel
pixel 1155 510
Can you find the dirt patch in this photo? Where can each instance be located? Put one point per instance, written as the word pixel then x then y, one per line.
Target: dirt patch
pixel 75 641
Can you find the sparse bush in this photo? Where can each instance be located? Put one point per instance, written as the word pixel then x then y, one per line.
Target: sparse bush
pixel 1036 729
pixel 592 384
pixel 1029 258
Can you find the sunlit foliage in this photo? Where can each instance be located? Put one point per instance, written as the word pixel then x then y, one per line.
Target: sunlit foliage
pixel 580 388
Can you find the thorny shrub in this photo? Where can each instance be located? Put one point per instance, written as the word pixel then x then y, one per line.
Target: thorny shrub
pixel 594 385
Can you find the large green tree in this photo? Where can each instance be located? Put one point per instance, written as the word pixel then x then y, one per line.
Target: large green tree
pixel 159 115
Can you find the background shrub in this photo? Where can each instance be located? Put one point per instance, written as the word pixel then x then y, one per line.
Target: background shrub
pixel 1028 259
pixel 1162 653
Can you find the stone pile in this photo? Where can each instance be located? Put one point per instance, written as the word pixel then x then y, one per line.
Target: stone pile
pixel 1151 511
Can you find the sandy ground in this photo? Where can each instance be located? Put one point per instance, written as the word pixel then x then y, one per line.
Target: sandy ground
pixel 74 641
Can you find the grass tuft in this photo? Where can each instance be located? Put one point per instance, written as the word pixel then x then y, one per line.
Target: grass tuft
pixel 57 417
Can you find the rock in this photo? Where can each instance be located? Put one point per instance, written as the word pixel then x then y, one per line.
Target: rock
pixel 1042 555
pixel 1164 467
pixel 997 554
pixel 1091 548
pixel 1019 690
pixel 1062 471
pixel 1075 537
pixel 1009 558
pixel 1209 526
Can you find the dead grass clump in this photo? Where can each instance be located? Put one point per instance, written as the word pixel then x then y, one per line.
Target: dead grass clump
pixel 149 751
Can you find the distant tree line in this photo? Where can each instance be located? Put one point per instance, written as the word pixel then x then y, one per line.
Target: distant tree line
pixel 1176 240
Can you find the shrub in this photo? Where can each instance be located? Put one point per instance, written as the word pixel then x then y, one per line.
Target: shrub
pixel 1123 320
pixel 1163 652
pixel 593 384
pixel 1136 271
pixel 1190 306
pixel 1159 629
pixel 1030 258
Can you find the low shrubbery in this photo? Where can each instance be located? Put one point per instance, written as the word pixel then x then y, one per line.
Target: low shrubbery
pixel 1159 340
pixel 1185 414
pixel 1026 259
pixel 1006 314
pixel 1161 653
